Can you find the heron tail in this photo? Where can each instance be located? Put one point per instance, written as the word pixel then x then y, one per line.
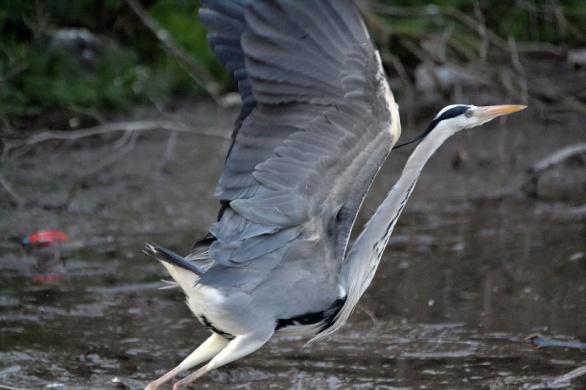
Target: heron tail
pixel 186 273
pixel 170 257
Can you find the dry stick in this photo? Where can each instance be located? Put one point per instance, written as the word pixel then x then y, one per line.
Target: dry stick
pixel 561 381
pixel 123 140
pixel 481 31
pixel 558 156
pixel 171 142
pixel 516 60
pixel 8 187
pixel 132 126
pixel 100 129
pixel 566 378
pixel 80 180
pixel 561 20
pixel 6 387
pixel 445 39
pixel 114 157
pixel 195 70
pixel 414 49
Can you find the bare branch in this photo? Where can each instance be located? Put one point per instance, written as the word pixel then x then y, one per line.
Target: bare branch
pixel 8 188
pixel 557 157
pixel 561 381
pixel 522 80
pixel 6 387
pixel 171 142
pixel 113 158
pixel 132 126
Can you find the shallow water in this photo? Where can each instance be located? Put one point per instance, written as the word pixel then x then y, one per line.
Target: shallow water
pixel 462 284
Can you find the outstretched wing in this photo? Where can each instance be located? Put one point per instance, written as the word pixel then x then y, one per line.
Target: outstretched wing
pixel 317 122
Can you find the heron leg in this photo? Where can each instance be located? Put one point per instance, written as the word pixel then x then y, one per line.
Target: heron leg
pixel 239 347
pixel 207 350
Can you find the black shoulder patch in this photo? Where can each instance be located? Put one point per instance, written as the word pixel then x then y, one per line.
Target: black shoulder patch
pixel 325 318
pixel 211 327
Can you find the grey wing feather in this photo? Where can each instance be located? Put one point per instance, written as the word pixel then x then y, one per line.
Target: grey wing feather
pixel 225 22
pixel 318 132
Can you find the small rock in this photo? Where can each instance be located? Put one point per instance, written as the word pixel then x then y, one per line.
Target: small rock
pixel 577 58
pixel 118 384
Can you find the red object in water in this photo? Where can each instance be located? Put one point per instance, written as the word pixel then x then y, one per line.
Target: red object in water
pixel 44 238
pixel 48 279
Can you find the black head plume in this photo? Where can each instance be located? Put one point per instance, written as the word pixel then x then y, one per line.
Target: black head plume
pixel 447 114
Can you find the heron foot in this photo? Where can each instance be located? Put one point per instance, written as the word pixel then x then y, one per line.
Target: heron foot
pixel 154 385
pixel 191 378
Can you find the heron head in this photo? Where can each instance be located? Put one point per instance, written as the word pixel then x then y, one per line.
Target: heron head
pixel 458 117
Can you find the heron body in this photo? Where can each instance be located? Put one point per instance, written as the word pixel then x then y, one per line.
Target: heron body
pixel 317 121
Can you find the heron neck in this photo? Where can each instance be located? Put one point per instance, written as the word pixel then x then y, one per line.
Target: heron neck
pixel 362 260
pixel 364 257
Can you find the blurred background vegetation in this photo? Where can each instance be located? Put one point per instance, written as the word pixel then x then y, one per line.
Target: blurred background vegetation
pixel 87 56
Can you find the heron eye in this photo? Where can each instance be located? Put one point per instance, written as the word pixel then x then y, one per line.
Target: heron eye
pixel 468 113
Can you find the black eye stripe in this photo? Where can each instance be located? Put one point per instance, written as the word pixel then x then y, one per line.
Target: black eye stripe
pixel 452 112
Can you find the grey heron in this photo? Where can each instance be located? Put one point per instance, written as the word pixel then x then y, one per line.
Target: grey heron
pixel 317 121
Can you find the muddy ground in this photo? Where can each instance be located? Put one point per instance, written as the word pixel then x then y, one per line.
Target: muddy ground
pixel 473 268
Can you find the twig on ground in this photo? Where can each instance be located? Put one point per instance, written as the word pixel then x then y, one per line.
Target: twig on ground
pixel 559 382
pixel 123 140
pixel 171 142
pixel 6 387
pixel 197 72
pixel 8 188
pixel 82 179
pixel 113 157
pixel 557 157
pixel 369 313
pixel 69 135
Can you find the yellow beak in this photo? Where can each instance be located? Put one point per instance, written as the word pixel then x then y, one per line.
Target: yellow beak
pixel 491 112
